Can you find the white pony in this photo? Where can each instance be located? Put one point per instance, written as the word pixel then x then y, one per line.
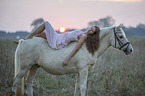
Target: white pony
pixel 33 53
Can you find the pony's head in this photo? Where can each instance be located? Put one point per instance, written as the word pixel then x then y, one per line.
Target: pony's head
pixel 119 40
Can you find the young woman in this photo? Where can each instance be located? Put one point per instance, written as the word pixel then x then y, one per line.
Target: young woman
pixel 57 41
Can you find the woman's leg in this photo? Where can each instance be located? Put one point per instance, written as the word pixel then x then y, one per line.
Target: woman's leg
pixel 51 35
pixel 37 31
pixel 43 35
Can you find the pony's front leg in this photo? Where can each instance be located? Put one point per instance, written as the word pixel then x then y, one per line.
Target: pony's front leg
pixel 83 75
pixel 30 78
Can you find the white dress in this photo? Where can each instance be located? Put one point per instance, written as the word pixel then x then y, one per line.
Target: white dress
pixel 57 41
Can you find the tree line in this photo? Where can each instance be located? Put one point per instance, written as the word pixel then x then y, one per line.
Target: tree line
pixel 138 31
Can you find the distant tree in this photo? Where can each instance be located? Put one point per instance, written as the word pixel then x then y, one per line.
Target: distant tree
pixel 3 34
pixel 138 31
pixel 141 26
pixel 21 34
pixel 103 22
pixel 37 23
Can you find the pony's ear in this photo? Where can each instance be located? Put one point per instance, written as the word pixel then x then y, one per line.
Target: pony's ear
pixel 120 26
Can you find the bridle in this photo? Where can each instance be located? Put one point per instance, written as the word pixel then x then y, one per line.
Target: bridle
pixel 120 42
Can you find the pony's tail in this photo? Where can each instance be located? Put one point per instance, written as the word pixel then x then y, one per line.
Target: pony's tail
pixel 20 88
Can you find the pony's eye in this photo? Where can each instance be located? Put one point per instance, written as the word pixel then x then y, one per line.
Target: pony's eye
pixel 121 37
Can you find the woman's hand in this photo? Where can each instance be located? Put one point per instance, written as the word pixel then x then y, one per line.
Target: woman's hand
pixel 65 62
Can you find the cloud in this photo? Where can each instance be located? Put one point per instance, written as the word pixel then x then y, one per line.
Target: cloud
pixel 117 0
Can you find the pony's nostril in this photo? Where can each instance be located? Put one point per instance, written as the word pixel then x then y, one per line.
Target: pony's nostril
pixel 130 50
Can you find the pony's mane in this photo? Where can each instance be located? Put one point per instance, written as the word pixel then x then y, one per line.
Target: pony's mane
pixel 105 31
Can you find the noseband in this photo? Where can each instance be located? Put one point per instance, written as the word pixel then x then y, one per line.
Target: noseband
pixel 120 42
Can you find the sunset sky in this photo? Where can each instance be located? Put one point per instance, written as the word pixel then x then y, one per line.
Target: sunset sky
pixel 17 15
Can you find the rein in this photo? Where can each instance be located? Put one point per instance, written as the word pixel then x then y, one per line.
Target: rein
pixel 119 42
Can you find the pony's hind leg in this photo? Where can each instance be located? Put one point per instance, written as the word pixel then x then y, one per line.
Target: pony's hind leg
pixel 30 78
pixel 18 78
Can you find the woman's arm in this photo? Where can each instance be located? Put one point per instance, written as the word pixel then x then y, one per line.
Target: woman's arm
pixel 76 49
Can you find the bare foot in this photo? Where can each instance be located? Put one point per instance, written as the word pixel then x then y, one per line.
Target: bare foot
pixel 16 42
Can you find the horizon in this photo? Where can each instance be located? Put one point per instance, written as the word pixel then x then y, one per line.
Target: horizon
pixel 72 14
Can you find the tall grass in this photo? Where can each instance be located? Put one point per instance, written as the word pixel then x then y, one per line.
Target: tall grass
pixel 115 74
pixel 7 50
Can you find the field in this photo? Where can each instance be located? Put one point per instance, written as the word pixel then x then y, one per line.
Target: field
pixel 115 74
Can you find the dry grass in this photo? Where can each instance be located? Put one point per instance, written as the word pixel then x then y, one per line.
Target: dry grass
pixel 114 74
pixel 7 50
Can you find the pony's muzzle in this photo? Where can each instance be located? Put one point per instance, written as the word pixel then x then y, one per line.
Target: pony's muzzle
pixel 128 50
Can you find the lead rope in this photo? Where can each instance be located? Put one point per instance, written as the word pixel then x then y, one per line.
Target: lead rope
pixel 76 85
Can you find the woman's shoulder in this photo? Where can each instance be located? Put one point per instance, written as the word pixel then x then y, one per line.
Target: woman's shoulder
pixel 81 34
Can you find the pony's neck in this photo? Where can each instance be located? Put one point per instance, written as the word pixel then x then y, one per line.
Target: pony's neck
pixel 105 42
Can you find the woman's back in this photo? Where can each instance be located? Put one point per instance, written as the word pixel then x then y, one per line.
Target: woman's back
pixel 63 39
